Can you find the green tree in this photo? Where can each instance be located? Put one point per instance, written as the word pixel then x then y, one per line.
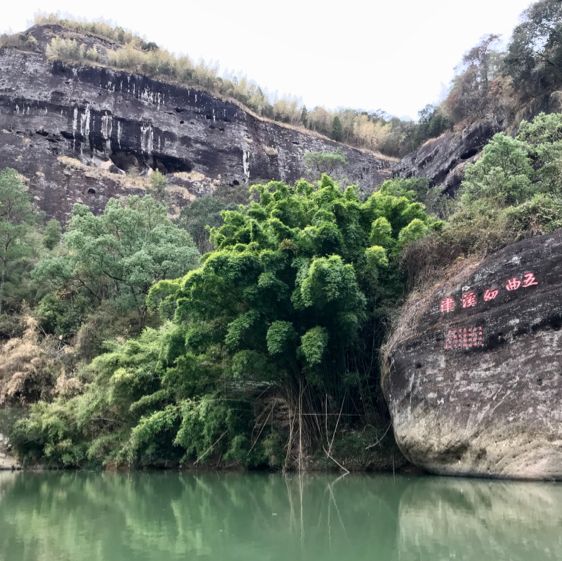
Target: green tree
pixel 329 163
pixel 52 234
pixel 17 220
pixel 431 123
pixel 297 293
pixel 201 215
pixel 534 57
pixel 337 129
pixel 287 312
pixel 304 116
pixel 111 258
pixel 512 170
pixel 512 191
pixel 502 175
pixel 158 184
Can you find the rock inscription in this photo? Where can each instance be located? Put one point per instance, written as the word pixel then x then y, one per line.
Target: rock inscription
pixel 473 370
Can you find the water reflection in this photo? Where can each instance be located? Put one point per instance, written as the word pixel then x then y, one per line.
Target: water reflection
pixel 166 516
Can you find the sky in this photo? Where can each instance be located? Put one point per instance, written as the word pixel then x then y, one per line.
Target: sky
pixel 395 55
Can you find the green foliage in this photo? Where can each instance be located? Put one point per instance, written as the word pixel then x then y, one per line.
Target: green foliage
pixel 512 191
pixel 337 129
pixel 314 344
pixel 114 257
pixel 541 214
pixel 511 171
pixel 52 234
pixel 153 436
pixel 50 433
pixel 158 184
pixel 208 421
pixel 324 162
pixel 281 336
pixel 201 215
pixel 502 175
pixel 17 244
pixel 515 175
pixel 534 57
pixel 292 301
pixel 431 123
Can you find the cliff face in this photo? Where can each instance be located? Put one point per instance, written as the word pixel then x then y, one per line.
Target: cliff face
pixel 88 133
pixel 474 368
pixel 442 160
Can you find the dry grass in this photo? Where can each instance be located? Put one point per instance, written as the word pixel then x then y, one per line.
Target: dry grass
pixel 128 180
pixel 130 53
pixel 25 366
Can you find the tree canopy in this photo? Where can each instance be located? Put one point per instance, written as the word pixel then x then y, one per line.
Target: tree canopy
pixel 17 243
pixel 291 304
pixel 111 259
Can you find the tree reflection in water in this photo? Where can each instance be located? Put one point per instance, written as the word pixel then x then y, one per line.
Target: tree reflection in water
pixel 225 516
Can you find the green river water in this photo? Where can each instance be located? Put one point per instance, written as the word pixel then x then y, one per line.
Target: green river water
pixel 250 517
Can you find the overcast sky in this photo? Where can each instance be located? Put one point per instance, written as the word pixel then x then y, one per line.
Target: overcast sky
pixel 396 55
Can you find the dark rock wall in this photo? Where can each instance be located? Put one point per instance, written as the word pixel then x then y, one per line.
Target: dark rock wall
pixel 442 160
pixel 474 368
pixel 111 123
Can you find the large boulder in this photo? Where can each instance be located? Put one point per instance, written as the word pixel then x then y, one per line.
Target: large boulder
pixel 473 370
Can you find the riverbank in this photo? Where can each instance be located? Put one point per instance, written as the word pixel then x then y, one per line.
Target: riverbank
pixel 7 461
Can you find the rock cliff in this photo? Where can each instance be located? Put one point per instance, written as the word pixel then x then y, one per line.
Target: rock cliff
pixel 88 133
pixel 442 160
pixel 474 368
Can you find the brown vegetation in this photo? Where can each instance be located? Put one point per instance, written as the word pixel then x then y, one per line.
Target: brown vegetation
pixel 27 371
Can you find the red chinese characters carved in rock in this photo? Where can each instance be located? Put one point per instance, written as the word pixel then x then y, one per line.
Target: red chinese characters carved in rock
pixel 447 305
pixel 491 294
pixel 464 338
pixel 512 284
pixel 529 280
pixel 469 300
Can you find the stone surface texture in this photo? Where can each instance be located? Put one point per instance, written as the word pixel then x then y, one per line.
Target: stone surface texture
pixel 88 133
pixel 7 461
pixel 442 160
pixel 477 390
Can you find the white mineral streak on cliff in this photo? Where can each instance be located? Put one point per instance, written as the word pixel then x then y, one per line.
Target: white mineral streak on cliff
pixel 107 129
pixel 74 126
pixel 246 165
pixel 147 138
